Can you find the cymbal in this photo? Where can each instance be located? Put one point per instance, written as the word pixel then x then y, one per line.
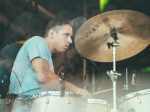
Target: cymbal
pixel 132 29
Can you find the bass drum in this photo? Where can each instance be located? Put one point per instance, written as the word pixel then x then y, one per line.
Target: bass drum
pixel 136 102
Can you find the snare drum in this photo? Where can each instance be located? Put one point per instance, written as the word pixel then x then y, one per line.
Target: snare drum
pixel 136 102
pixel 52 102
pixel 96 105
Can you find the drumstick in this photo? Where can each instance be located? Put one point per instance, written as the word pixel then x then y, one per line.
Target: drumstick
pixel 99 92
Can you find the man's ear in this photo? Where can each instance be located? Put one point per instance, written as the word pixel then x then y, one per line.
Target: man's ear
pixel 51 33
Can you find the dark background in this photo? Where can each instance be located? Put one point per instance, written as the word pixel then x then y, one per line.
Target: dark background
pixel 20 19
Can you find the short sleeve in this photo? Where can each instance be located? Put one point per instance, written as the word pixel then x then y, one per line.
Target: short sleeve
pixel 38 48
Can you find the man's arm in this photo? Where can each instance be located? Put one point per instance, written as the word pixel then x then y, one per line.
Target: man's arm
pixel 48 78
pixel 45 76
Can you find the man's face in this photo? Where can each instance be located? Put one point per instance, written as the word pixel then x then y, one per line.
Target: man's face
pixel 63 38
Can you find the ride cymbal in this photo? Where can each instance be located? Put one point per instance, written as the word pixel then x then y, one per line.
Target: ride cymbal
pixel 132 29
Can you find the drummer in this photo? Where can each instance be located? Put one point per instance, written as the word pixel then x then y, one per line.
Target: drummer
pixel 33 71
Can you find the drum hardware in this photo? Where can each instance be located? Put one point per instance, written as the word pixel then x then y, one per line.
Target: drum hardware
pixel 134 86
pixel 93 80
pixel 62 88
pixel 84 74
pixel 126 87
pixel 113 73
pixel 135 82
pixel 61 80
pixel 139 99
pixel 133 79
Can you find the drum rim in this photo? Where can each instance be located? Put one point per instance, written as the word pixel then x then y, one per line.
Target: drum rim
pixel 51 93
pixel 134 94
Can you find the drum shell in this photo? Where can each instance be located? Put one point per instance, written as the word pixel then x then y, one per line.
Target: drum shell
pixel 55 103
pixel 136 101
pixel 95 105
pixel 52 101
pixel 71 103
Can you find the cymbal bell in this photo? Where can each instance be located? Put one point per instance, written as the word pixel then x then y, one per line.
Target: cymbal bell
pixel 132 29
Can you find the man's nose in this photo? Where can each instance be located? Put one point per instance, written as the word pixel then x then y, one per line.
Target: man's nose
pixel 70 40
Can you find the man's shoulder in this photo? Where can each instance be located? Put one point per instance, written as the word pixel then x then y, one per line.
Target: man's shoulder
pixel 34 38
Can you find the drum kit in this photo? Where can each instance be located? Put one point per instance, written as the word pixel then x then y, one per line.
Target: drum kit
pixel 70 102
pixel 114 36
pixel 108 37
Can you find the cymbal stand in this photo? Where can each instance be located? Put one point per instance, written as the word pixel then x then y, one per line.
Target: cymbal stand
pixel 112 73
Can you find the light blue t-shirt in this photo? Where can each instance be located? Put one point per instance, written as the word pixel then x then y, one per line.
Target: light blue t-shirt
pixel 23 79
